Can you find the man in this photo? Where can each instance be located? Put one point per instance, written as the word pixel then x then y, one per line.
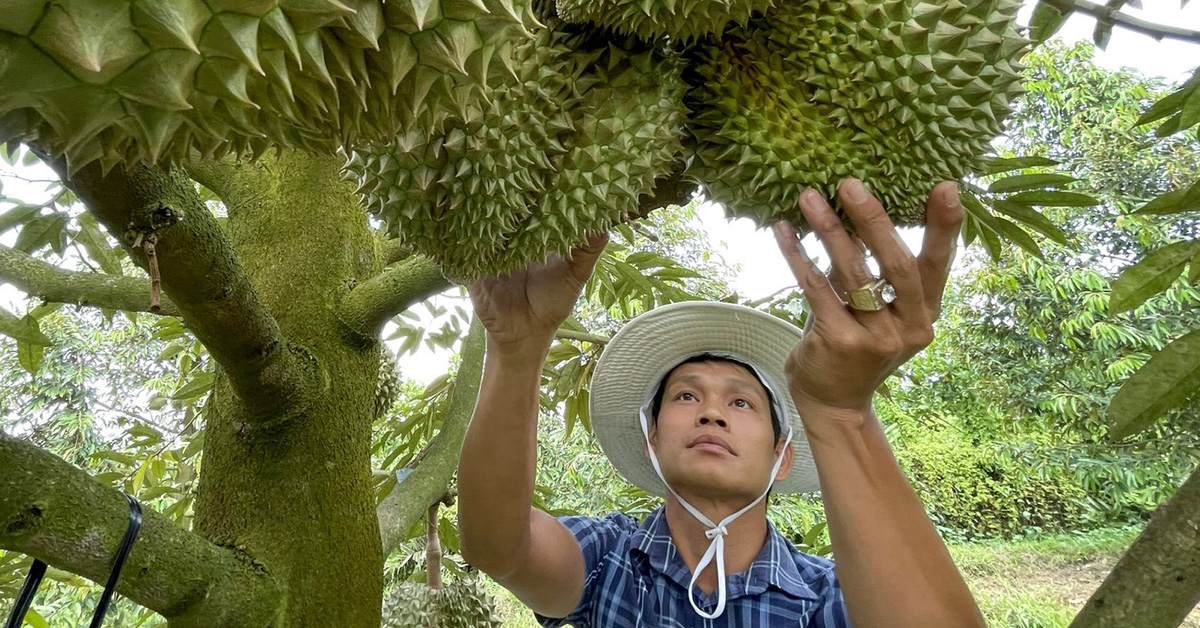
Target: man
pixel 716 404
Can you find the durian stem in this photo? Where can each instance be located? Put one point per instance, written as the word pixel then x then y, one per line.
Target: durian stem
pixel 55 285
pixel 1101 12
pixel 428 481
pixel 201 273
pixel 400 286
pixel 567 334
pixel 1156 583
pixel 57 513
pixel 433 549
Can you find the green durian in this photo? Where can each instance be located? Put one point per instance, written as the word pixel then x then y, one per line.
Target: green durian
pixel 463 603
pixel 899 93
pixel 127 81
pixel 681 20
pixel 575 131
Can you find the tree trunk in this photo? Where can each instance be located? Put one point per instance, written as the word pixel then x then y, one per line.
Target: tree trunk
pixel 294 491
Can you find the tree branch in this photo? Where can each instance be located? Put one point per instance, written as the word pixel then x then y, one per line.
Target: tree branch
pixel 392 251
pixel 215 174
pixel 54 284
pixel 200 274
pixel 56 513
pixel 1165 560
pixel 374 302
pixel 1101 12
pixel 567 334
pixel 672 189
pixel 410 499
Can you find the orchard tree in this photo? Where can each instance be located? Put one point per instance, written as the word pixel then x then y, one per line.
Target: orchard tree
pixel 237 151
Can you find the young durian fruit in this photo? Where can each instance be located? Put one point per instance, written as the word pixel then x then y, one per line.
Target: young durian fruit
pixel 902 94
pixel 572 135
pixel 463 603
pixel 680 20
pixel 127 81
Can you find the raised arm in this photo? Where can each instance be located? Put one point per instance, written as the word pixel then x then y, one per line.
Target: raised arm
pixel 525 550
pixel 893 567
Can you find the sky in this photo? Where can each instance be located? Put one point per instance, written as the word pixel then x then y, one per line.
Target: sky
pixel 753 250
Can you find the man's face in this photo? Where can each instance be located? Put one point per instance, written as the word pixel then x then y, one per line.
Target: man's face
pixel 713 437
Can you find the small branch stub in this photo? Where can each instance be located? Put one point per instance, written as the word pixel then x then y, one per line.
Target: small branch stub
pixel 146 238
pixel 155 277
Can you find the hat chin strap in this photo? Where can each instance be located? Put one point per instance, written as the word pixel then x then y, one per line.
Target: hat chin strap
pixel 716 531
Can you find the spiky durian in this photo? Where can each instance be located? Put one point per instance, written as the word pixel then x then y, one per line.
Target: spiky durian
pixel 150 80
pixel 464 603
pixel 387 383
pixel 569 142
pixel 900 93
pixel 682 20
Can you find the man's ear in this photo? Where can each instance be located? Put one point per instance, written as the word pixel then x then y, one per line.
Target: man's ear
pixel 652 436
pixel 785 467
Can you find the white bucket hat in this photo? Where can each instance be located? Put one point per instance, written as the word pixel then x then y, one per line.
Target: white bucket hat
pixel 649 346
pixel 631 369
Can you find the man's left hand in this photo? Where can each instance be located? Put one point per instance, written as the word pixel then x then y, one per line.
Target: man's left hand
pixel 845 353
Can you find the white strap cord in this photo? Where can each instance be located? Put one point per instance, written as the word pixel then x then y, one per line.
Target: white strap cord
pixel 716 531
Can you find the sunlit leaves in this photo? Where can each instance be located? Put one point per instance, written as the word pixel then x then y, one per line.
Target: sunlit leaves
pixel 1181 108
pixel 1152 274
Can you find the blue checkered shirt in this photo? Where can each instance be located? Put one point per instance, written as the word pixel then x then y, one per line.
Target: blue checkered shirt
pixel 636 578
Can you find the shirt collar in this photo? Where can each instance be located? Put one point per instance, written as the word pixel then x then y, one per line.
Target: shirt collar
pixel 774 566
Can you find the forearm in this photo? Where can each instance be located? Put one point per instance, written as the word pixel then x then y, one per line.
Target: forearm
pixel 499 455
pixel 894 569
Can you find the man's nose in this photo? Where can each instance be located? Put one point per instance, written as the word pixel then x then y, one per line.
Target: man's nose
pixel 710 416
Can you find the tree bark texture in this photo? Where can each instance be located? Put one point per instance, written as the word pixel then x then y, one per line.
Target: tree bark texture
pixel 1156 583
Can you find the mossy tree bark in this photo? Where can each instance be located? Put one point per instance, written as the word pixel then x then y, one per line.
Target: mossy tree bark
pixel 289 298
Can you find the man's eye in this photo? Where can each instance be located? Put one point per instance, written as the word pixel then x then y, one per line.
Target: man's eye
pixel 742 403
pixel 685 396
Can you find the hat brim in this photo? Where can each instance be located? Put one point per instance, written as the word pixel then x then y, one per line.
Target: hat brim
pixel 651 344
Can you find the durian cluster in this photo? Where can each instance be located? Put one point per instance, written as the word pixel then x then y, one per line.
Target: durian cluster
pixel 900 94
pixel 126 81
pixel 387 383
pixel 564 146
pixel 463 603
pixel 680 20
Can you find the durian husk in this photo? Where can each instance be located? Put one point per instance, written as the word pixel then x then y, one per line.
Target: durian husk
pixel 679 20
pixel 464 603
pixel 897 93
pixel 572 136
pixel 163 81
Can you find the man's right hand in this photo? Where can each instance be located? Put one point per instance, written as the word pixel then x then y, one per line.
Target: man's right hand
pixel 524 309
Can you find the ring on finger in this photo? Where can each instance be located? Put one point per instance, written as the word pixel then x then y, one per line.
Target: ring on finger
pixel 873 296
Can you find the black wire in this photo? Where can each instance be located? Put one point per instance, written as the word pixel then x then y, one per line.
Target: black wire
pixel 32 581
pixel 131 532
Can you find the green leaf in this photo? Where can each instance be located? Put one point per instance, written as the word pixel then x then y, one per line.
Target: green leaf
pixel 997 165
pixel 1168 380
pixel 198 384
pixel 1194 270
pixel 1020 182
pixel 1031 217
pixel 24 329
pixel 1171 103
pixel 1045 22
pixel 35 619
pixel 96 244
pixel 29 355
pixel 18 215
pixel 42 231
pixel 1018 236
pixel 1054 199
pixel 1151 275
pixel 1173 202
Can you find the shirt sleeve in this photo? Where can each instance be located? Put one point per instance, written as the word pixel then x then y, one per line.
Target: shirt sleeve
pixel 831 608
pixel 597 539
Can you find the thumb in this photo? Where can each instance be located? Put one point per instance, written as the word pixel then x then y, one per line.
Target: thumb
pixel 583 257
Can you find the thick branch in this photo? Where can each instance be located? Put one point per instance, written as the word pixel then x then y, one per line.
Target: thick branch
pixel 200 273
pixel 410 499
pixel 1101 12
pixel 1157 581
pixel 216 175
pixel 568 334
pixel 57 513
pixel 400 286
pixel 392 251
pixel 48 282
pixel 673 189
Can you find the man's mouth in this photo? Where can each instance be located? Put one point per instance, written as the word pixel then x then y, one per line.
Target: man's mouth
pixel 713 443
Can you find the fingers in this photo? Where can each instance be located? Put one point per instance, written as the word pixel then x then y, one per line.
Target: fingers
pixel 583 257
pixel 943 219
pixel 896 262
pixel 849 267
pixel 823 302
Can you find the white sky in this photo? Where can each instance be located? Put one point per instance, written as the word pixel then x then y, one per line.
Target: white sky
pixel 762 269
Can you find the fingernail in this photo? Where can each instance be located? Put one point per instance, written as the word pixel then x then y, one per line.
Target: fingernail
pixel 950 196
pixel 810 200
pixel 855 190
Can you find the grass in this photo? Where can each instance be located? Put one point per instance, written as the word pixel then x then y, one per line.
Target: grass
pixel 1028 583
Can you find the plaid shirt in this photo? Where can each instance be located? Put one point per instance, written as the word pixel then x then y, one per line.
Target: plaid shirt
pixel 635 578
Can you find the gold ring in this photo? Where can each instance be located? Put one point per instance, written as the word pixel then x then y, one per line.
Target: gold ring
pixel 872 297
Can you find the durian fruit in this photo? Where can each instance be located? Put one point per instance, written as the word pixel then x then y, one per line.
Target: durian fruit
pixel 571 137
pixel 682 20
pixel 387 384
pixel 464 603
pixel 152 80
pixel 899 93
